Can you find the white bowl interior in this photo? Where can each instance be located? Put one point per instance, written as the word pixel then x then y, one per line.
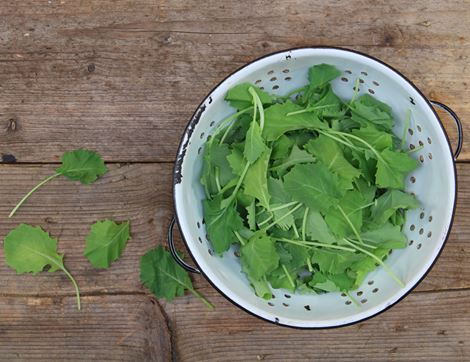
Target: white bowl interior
pixel 433 183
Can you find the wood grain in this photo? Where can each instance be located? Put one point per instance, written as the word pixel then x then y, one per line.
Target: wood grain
pixel 103 74
pixel 419 328
pixel 142 193
pixel 108 328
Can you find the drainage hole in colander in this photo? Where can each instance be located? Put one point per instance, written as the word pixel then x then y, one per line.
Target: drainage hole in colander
pixel 375 290
pixel 390 252
pixel 430 155
pixel 370 282
pixel 276 320
pixel 236 253
pixel 421 143
pixel 348 71
pixel 364 73
pixel 343 294
pixel 199 238
pixel 412 227
pixel 429 140
pixel 212 124
pixel 262 88
pixel 361 80
pixel 412 194
pixel 307 307
pixel 413 179
pixel 356 89
pixel 271 304
pixel 199 150
pixel 359 293
pixel 275 87
pixel 273 79
pixel 363 301
pixel 285 304
pixel 344 79
pixel 287 296
pixel 421 158
pixel 348 302
pixel 273 296
pixel 258 81
pixel 421 216
pixel 418 127
pixel 411 242
pixel 410 131
pixel 288 78
pixel 412 146
pixel 286 70
pixel 371 91
pixel 202 135
pixel 210 252
pixel 198 225
pixel 419 246
pixel 430 218
pixel 270 72
pixel 429 234
pixel 207 237
pixel 375 83
pixel 421 231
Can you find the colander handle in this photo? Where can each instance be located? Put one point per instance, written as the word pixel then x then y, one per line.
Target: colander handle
pixel 174 253
pixel 458 124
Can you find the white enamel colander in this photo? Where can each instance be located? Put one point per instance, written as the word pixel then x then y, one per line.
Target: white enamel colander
pixel 433 182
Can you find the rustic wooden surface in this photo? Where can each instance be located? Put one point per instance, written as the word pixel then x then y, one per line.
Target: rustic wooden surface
pixel 123 77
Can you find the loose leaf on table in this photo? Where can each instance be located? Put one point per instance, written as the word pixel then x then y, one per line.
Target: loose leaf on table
pixel 277 121
pixel 106 242
pixel 392 167
pixel 221 222
pixel 313 185
pixel 258 256
pixel 255 181
pixel 164 277
pixel 239 96
pixel 30 249
pixel 389 202
pixel 79 165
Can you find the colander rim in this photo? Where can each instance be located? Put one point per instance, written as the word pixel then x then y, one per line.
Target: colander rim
pixel 177 167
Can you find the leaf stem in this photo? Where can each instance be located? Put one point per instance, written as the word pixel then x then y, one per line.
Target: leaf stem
pixel 356 91
pixel 217 181
pixel 380 261
pixel 292 92
pixel 364 245
pixel 226 121
pixel 32 191
pixel 304 223
pixel 309 109
pixel 419 148
pixel 75 285
pixel 284 216
pixel 291 282
pixel 351 225
pixel 407 125
pixel 307 243
pixel 240 239
pixel 309 265
pixel 296 231
pixel 355 302
pixel 202 298
pixel 259 104
pixel 346 143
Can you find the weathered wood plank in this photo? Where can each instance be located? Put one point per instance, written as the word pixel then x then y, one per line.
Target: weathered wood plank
pixel 108 328
pixel 142 193
pixel 132 73
pixel 432 326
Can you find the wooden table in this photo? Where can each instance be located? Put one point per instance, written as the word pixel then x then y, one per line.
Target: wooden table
pixel 123 77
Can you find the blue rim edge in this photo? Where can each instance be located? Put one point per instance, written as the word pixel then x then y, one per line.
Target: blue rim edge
pixel 194 121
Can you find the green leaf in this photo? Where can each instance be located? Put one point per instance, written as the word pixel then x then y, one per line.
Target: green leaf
pixel 387 236
pixel 389 202
pixel 255 181
pixel 236 161
pixel 258 256
pixel 251 215
pixel 351 204
pixel 366 264
pixel 368 110
pixel 221 222
pixel 317 229
pixel 164 277
pixel 331 155
pixel 30 249
pixel 313 185
pixel 277 122
pixel 281 147
pixel 295 157
pixel 277 191
pixel 82 165
pixel 254 144
pixel 334 262
pixel 392 168
pixel 106 242
pixel 380 140
pixel 239 97
pixel 261 288
pixel 321 74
